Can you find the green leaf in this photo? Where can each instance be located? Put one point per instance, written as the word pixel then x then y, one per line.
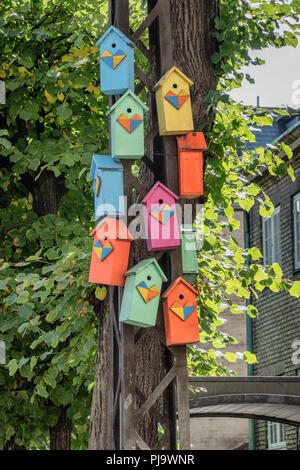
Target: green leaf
pixel 250 358
pixel 295 289
pixel 231 357
pixel 12 366
pixel 64 111
pixel 41 390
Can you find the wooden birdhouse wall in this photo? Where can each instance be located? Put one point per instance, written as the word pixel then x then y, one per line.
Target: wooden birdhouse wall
pixel 108 186
pixel 189 254
pixel 174 106
pixel 127 129
pixel 190 164
pixel 178 330
pixel 116 63
pixel 110 255
pixel 137 308
pixel 161 220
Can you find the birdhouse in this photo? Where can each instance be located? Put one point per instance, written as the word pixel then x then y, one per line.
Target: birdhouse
pixel 190 164
pixel 116 62
pixel 108 186
pixel 110 254
pixel 127 127
pixel 142 294
pixel 189 253
pixel 173 103
pixel 160 218
pixel 180 314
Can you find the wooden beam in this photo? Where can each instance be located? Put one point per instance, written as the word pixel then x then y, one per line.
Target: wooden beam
pixel 157 393
pixel 146 23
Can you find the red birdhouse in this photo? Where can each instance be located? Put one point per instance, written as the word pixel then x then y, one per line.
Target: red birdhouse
pixel 190 164
pixel 180 313
pixel 110 253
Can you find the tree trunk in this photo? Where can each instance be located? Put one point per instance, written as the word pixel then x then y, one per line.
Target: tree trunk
pixel 47 192
pixel 100 435
pixel 60 434
pixel 191 24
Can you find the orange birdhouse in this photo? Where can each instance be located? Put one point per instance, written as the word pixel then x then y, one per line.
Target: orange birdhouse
pixel 110 253
pixel 180 313
pixel 190 164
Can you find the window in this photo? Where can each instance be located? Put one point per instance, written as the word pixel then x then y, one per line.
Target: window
pixel 271 238
pixel 276 436
pixel 297 230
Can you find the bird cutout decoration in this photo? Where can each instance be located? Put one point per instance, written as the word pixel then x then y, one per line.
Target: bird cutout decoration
pixel 148 293
pixel 102 251
pixel 98 185
pixel 164 214
pixel 113 60
pixel 177 100
pixel 130 124
pixel 183 311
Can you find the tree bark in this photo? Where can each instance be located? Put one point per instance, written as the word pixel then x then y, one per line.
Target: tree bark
pixel 60 434
pixel 100 428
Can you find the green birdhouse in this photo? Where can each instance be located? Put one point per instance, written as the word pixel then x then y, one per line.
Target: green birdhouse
pixel 127 127
pixel 189 253
pixel 142 294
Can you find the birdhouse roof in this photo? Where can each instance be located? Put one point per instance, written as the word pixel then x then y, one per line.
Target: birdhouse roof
pixel 123 98
pixel 104 162
pixel 113 29
pixel 118 228
pixel 143 265
pixel 154 189
pixel 170 72
pixel 192 141
pixel 175 284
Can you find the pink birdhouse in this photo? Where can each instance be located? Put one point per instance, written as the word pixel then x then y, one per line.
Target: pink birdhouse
pixel 160 218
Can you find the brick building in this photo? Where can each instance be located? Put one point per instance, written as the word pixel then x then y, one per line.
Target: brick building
pixel 277 328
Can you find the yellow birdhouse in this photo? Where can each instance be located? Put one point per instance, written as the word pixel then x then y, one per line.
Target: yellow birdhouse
pixel 173 103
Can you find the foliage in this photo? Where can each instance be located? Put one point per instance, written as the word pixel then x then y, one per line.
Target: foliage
pixel 54 121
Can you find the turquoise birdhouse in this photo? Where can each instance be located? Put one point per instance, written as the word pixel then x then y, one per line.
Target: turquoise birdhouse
pixel 142 294
pixel 116 62
pixel 127 127
pixel 108 186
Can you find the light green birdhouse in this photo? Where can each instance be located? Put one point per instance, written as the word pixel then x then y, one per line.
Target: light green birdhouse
pixel 189 253
pixel 127 127
pixel 142 294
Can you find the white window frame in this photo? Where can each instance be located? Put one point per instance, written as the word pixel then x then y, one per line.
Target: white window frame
pixel 296 217
pixel 269 238
pixel 276 436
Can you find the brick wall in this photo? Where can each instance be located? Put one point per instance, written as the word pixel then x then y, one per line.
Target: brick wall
pixel 278 323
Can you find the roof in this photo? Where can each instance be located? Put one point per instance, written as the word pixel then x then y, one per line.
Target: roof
pixel 121 231
pixel 118 32
pixel 172 70
pixel 128 93
pixel 155 187
pixel 173 286
pixel 192 141
pixel 143 264
pixel 267 135
pixel 106 162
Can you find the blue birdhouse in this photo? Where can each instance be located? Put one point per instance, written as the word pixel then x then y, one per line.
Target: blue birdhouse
pixel 127 127
pixel 108 186
pixel 116 62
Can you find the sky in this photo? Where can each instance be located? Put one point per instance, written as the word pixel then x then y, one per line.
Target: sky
pixel 277 82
